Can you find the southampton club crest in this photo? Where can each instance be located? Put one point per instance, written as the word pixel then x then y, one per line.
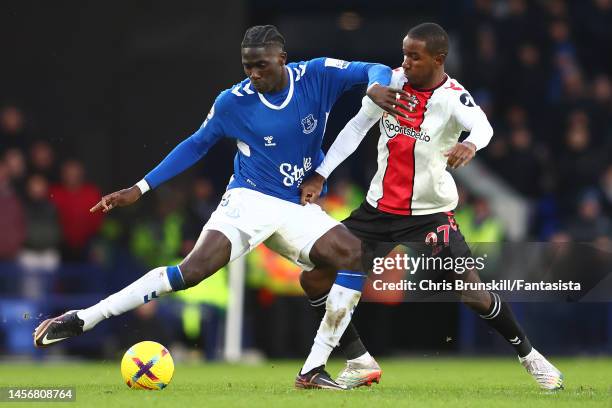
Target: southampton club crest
pixel 412 103
pixel 309 124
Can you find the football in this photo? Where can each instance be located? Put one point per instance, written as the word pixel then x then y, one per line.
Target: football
pixel 147 366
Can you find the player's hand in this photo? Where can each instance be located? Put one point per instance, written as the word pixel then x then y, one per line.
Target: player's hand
pixel 119 198
pixel 460 154
pixel 389 98
pixel 311 188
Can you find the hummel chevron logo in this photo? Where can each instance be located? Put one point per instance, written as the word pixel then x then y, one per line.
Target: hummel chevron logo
pixel 153 296
pixel 516 341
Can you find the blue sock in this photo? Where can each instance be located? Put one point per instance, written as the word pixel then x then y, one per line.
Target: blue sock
pixel 175 277
pixel 351 279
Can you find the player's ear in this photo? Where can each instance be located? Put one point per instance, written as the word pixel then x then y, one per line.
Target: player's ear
pixel 282 57
pixel 440 58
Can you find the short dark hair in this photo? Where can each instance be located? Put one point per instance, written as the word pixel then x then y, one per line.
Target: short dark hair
pixel 262 36
pixel 434 36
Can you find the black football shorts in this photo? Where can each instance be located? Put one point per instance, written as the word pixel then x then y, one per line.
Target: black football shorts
pixel 435 235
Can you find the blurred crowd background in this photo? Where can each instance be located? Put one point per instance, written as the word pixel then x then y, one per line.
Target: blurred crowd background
pixel 94 95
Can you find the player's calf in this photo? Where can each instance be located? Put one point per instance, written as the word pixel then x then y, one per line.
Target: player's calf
pixel 317 284
pixel 211 253
pixel 152 285
pixel 337 249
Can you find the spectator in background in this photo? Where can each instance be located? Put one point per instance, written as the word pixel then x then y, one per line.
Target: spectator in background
pixel 556 9
pixel 12 129
pixel 12 221
pixel 565 73
pixel 40 256
pixel 528 85
pixel 589 224
pixel 487 62
pixel 519 23
pixel 16 166
pixel 42 160
pixel 158 239
pixel 203 200
pixel 605 185
pixel 578 166
pixel 201 205
pixel 73 198
pixel 522 167
pixel 476 221
pixel 592 21
pixel 481 15
pixel 516 117
pixel 562 44
pixel 602 110
pixel 43 236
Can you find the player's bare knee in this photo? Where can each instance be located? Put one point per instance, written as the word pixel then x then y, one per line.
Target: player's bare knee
pixel 194 273
pixel 349 257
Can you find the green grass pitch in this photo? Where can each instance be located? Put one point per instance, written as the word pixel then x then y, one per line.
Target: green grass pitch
pixel 416 382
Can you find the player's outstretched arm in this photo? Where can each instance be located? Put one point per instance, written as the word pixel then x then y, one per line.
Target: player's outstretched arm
pixel 119 198
pixel 183 156
pixel 344 75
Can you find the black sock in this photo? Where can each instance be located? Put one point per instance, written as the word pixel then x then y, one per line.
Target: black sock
pixel 500 317
pixel 350 344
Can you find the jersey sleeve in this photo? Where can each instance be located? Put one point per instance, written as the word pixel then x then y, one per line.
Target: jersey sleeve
pixel 471 118
pixel 350 136
pixel 192 149
pixel 340 76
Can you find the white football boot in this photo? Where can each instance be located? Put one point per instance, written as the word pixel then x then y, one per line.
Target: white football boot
pixel 545 374
pixel 360 371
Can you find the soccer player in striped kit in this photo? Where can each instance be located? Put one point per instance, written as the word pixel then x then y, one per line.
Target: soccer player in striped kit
pixel 412 195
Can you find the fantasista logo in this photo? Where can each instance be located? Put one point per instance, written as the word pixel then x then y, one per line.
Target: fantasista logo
pixel 392 128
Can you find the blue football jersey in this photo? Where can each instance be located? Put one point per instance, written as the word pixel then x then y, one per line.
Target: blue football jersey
pixel 279 135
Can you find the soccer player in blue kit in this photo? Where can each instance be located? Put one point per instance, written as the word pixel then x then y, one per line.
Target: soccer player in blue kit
pixel 278 116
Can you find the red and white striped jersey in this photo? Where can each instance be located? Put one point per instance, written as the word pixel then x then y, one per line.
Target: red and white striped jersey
pixel 411 178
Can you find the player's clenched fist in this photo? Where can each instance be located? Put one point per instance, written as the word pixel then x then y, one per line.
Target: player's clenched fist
pixel 311 188
pixel 119 198
pixel 460 154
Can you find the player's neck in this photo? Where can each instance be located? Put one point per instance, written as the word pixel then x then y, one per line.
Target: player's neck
pixel 434 82
pixel 282 84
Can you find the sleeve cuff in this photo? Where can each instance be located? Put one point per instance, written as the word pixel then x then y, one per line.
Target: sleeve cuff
pixel 322 172
pixel 143 186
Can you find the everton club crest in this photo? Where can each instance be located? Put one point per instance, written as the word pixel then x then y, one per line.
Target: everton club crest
pixel 309 124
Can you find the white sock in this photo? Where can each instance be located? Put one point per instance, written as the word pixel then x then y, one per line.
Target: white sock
pixel 532 354
pixel 362 359
pixel 339 308
pixel 153 284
